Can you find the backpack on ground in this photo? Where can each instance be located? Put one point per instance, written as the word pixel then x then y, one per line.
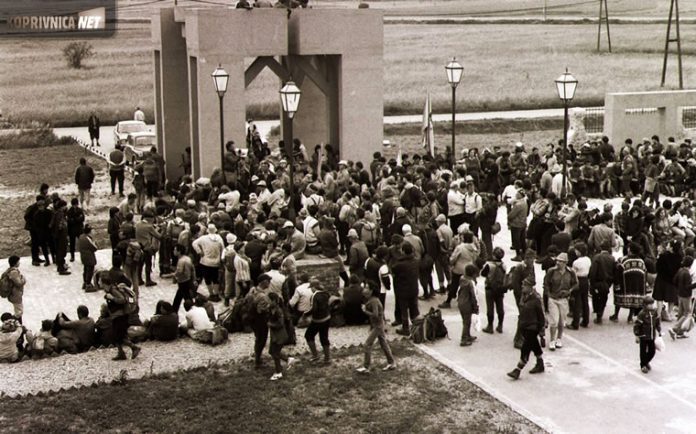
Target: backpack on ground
pixel 6 284
pixel 429 328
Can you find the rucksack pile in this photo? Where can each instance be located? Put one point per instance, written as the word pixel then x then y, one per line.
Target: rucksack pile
pixel 429 328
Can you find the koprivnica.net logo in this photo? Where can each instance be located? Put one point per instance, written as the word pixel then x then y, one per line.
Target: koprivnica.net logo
pixel 57 18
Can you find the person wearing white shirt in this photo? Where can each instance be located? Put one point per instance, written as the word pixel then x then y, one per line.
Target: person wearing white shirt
pixel 301 300
pixel 210 247
pixel 472 205
pixel 139 115
pixel 455 206
pixel 196 319
pixel 581 307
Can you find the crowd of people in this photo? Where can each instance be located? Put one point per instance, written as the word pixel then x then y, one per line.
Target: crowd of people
pixel 423 225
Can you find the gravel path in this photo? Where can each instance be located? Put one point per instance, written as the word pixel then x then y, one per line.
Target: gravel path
pixel 94 367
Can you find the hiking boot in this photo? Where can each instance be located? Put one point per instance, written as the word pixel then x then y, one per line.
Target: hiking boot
pixel 445 305
pixel 36 263
pixel 403 332
pixel 614 318
pixel 327 354
pixel 363 370
pixel 47 264
pixel 598 321
pixel 499 329
pixel 539 367
pixel 572 327
pixel 514 374
pixel 64 272
pixel 396 323
pixel 120 356
pixel 465 343
pixel 488 329
pixel 645 369
pixel 152 283
pixel 91 288
pixel 136 351
pixel 214 298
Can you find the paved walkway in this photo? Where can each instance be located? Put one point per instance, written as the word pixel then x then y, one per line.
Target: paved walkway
pixel 107 132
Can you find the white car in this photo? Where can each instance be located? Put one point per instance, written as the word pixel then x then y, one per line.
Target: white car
pixel 124 128
pixel 139 144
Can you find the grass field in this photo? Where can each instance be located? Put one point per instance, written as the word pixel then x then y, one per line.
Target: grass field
pixel 506 67
pixel 420 396
pixel 23 172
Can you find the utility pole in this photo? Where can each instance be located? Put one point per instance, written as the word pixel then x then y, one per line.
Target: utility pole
pixel 673 12
pixel 603 16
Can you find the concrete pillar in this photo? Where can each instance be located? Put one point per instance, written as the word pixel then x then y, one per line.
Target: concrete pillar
pixel 171 91
pixel 311 121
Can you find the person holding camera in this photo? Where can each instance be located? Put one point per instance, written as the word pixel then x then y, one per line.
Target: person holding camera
pixel 532 324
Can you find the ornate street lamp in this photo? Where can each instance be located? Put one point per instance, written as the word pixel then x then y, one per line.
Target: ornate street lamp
pixel 565 85
pixel 454 76
pixel 220 79
pixel 290 99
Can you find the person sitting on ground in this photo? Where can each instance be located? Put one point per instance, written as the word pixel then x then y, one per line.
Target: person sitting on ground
pixel 352 302
pixel 203 301
pixel 77 335
pixel 10 338
pixel 104 327
pixel 197 320
pixel 164 324
pixel 42 342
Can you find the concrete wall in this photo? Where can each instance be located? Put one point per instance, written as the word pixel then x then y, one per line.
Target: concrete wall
pixel 356 39
pixel 642 114
pixel 171 91
pixel 334 55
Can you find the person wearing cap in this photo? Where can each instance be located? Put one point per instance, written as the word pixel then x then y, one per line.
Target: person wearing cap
pixel 559 282
pixel 357 255
pixel 473 206
pixel 647 328
pixel 87 249
pixel 531 326
pixel 455 205
pixel 295 238
pixel 210 248
pixel 228 257
pixel 148 237
pixel 343 176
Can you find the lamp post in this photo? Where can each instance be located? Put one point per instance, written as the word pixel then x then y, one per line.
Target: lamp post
pixel 290 99
pixel 454 75
pixel 565 85
pixel 220 79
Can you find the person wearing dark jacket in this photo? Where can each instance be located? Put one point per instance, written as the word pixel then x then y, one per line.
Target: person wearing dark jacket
pixel 601 278
pixel 59 231
pixel 84 177
pixel 320 313
pixel 76 221
pixel 405 275
pixel 30 225
pixel 646 328
pixel 468 305
pixel 42 228
pixel 93 125
pixel 117 162
pixel 87 248
pixel 532 325
pixel 164 324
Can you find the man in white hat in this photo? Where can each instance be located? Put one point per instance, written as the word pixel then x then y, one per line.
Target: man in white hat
pixel 296 239
pixel 262 191
pixel 559 282
pixel 228 256
pixel 210 247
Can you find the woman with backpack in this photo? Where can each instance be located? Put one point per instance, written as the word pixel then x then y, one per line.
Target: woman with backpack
pixel 121 302
pixel 494 272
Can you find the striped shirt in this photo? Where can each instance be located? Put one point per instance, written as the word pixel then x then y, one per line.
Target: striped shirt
pixel 241 266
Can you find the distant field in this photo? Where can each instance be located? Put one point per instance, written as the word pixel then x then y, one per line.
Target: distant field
pixel 506 67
